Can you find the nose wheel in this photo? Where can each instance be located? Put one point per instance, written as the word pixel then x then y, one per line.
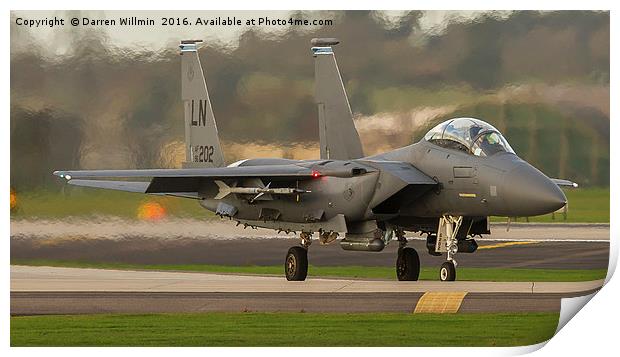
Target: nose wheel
pixel 447 272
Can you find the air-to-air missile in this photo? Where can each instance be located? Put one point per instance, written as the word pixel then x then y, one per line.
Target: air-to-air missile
pixel 225 190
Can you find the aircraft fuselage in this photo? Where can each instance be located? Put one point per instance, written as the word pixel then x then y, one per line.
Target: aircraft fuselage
pixel 466 185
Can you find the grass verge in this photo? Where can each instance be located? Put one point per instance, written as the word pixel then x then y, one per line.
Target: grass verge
pixel 91 203
pixel 368 272
pixel 284 329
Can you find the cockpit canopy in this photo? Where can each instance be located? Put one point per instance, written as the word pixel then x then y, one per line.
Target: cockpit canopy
pixel 469 135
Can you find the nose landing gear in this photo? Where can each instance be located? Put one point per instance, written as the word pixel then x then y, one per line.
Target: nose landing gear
pixel 447 243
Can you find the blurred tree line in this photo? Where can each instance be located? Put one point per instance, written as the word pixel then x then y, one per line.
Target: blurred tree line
pixel 541 77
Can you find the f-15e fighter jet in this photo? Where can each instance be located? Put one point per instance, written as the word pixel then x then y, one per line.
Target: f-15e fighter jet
pixel 446 185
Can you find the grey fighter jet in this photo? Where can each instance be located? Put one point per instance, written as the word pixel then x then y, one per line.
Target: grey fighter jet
pixel 446 185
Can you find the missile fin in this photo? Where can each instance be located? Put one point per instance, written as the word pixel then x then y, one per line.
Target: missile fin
pixel 224 190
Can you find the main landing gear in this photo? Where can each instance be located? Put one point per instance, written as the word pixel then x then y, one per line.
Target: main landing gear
pixel 408 261
pixel 296 263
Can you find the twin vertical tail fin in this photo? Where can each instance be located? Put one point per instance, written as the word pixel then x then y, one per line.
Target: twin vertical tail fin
pixel 338 136
pixel 202 144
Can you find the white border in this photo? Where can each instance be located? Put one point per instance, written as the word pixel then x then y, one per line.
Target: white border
pixel 592 329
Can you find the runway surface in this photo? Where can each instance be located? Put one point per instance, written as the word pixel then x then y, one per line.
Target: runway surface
pixel 45 290
pixel 194 242
pixel 49 290
pixel 115 228
pixel 47 303
pixel 26 278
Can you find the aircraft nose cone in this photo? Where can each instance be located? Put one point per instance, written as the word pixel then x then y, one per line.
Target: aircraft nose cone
pixel 528 192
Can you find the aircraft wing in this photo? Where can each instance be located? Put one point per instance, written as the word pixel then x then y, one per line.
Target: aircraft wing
pixel 177 182
pixel 399 181
pixel 564 183
pixel 128 186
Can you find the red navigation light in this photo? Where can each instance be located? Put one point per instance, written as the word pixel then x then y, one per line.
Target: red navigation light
pixel 316 173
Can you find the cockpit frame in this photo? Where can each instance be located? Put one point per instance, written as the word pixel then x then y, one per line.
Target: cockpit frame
pixel 460 137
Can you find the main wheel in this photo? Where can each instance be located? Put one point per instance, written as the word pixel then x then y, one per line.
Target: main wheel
pixel 447 272
pixel 296 264
pixel 407 265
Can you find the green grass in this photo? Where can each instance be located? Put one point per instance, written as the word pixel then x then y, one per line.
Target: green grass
pixel 372 272
pixel 284 329
pixel 587 205
pixel 85 202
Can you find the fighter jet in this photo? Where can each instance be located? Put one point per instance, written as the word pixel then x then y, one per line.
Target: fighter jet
pixel 444 186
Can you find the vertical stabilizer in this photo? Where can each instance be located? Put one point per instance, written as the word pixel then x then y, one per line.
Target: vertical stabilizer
pixel 202 144
pixel 338 136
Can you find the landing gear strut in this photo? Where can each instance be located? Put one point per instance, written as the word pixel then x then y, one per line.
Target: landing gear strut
pixel 296 262
pixel 447 243
pixel 408 261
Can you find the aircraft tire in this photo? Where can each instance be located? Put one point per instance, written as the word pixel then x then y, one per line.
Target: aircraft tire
pixel 407 265
pixel 296 264
pixel 447 272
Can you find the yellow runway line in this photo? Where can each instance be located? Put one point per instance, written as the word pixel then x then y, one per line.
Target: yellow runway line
pixel 440 302
pixel 505 244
